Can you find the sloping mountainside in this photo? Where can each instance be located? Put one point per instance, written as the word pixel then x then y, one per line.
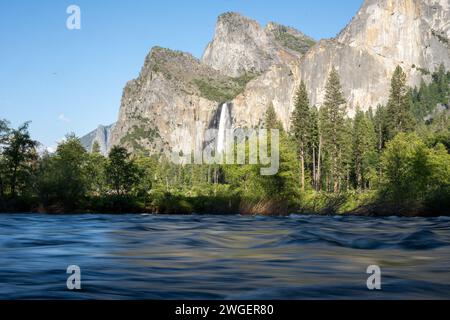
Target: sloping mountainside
pixel 177 91
pixel 173 91
pixel 251 67
pixel 385 33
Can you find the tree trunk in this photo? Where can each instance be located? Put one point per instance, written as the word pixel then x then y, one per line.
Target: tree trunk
pixel 302 162
pixel 319 165
pixel 314 168
pixel 380 147
pixel 335 174
pixel 1 189
pixel 13 182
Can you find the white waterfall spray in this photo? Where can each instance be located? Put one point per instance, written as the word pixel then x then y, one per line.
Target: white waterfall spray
pixel 224 124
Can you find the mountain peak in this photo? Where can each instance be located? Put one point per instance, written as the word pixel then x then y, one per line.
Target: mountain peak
pixel 242 46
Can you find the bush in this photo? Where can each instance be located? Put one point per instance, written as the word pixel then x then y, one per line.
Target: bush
pixel 414 175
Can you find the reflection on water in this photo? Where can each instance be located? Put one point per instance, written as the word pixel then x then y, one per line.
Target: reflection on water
pixel 223 257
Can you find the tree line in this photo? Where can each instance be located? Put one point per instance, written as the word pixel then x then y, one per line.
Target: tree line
pixel 394 159
pixel 396 149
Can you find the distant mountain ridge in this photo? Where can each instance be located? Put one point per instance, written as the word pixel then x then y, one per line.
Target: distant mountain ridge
pixel 101 135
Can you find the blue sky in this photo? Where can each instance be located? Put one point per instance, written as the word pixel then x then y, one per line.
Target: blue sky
pixel 71 80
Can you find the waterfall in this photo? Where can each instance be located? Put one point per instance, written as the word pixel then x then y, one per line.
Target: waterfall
pixel 224 124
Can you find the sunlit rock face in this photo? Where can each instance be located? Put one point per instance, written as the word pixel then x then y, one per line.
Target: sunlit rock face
pixel 177 92
pixel 276 86
pixel 241 45
pixel 385 33
pixel 250 67
pixel 164 98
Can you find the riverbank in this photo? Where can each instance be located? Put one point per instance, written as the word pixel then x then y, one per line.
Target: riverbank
pixel 313 203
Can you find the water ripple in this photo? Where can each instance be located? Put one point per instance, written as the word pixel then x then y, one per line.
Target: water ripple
pixel 223 257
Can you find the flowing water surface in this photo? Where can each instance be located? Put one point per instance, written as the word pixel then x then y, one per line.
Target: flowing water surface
pixel 223 257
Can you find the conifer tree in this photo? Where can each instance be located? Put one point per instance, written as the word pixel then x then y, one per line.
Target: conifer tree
pixel 96 147
pixel 364 143
pixel 399 115
pixel 271 119
pixel 333 118
pixel 301 128
pixel 315 145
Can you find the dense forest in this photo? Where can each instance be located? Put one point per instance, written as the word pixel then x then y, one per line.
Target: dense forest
pixel 392 159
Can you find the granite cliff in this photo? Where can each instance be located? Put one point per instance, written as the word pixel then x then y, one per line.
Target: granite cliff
pixel 250 67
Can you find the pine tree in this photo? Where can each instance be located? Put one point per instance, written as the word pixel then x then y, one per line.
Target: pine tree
pixel 96 147
pixel 333 118
pixel 315 145
pixel 399 106
pixel 282 186
pixel 364 143
pixel 271 119
pixel 346 152
pixel 301 127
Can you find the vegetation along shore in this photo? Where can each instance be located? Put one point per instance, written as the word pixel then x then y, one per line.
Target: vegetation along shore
pixel 390 160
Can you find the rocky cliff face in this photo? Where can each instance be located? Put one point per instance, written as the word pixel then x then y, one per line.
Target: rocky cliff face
pixel 385 33
pixel 102 135
pixel 175 91
pixel 242 46
pixel 252 66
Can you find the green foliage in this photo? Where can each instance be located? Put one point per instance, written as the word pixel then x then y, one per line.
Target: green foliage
pixel 414 173
pixel 301 117
pixel 302 128
pixel 137 135
pixel 442 37
pixel 350 165
pixel 122 174
pixel 399 117
pixel 271 119
pixel 17 160
pixel 223 90
pixel 96 173
pixel 96 148
pixel 364 151
pixel 291 41
pixel 333 128
pixel 426 98
pixel 61 178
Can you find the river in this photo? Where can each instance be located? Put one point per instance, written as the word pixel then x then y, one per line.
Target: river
pixel 223 257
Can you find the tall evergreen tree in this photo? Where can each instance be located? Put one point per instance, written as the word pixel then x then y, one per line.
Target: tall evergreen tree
pixel 364 143
pixel 96 147
pixel 333 118
pixel 315 145
pixel 399 105
pixel 271 119
pixel 301 128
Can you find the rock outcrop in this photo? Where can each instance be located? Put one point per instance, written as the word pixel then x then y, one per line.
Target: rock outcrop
pixel 242 46
pixel 251 67
pixel 174 91
pixel 385 33
pixel 102 135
